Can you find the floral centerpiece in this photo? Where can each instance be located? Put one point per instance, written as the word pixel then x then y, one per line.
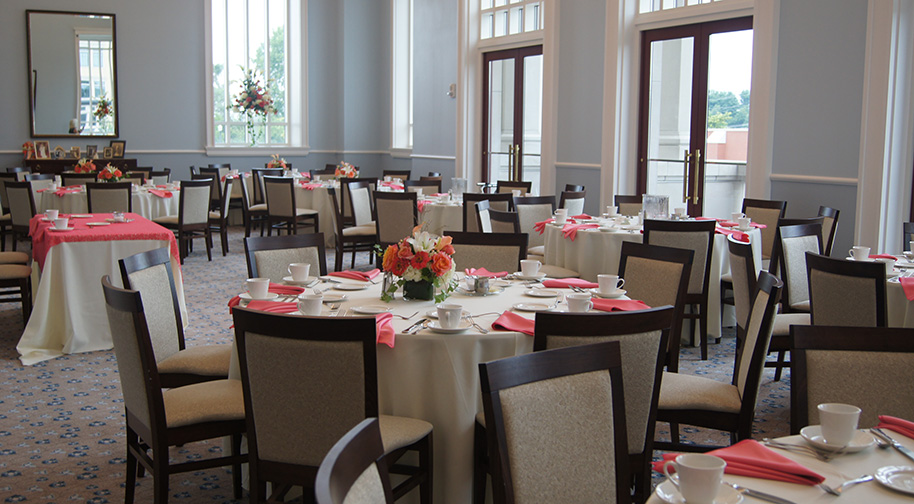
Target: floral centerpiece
pixel 255 102
pixel 85 166
pixel 423 264
pixel 110 174
pixel 276 162
pixel 346 170
pixel 103 108
pixel 28 150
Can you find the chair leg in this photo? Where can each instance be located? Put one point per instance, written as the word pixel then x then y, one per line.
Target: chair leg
pixel 780 365
pixel 426 464
pixel 25 291
pixel 703 321
pixel 236 468
pixel 130 483
pixel 223 233
pixel 160 477
pixel 338 260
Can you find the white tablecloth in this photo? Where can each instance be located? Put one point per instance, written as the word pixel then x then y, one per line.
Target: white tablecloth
pixel 595 252
pixel 148 205
pixel 899 309
pixel 69 314
pixel 439 218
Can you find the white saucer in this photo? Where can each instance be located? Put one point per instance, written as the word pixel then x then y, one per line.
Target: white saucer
pixel 81 216
pixel 813 435
pixel 520 276
pixel 493 289
pixel 863 260
pixel 619 293
pixel 533 307
pixel 308 281
pixel 350 286
pixel 61 230
pixel 670 494
pixel 330 297
pixel 898 478
pixel 371 309
pixel 542 293
pixel 98 223
pixel 743 229
pixel 433 314
pixel 434 326
pixel 632 227
pixel 247 296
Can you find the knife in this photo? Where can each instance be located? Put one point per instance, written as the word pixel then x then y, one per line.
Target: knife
pixel 748 492
pixel 895 444
pixel 415 326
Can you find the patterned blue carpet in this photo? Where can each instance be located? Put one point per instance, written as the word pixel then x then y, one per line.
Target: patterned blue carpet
pixel 61 421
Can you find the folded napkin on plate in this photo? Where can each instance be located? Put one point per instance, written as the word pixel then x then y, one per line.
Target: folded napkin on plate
pixel 567 283
pixel 907 285
pixel 440 194
pixel 484 273
pixel 883 256
pixel 421 204
pixel 364 276
pixel 570 231
pixel 310 187
pixel 540 227
pixel 282 290
pixel 727 223
pixel 395 187
pixel 63 192
pixel 510 321
pixel 899 425
pixel 611 305
pixel 582 216
pixel 737 235
pixel 707 218
pixel 749 458
pixel 161 194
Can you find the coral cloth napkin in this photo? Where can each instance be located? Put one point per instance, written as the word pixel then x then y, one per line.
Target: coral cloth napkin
pixel 383 326
pixel 395 187
pixel 899 425
pixel 282 290
pixel 883 256
pixel 582 216
pixel 510 321
pixel 484 272
pixel 364 276
pixel 421 204
pixel 907 284
pixel 540 227
pixel 161 194
pixel 737 235
pixel 567 283
pixel 749 458
pixel 570 231
pixel 63 192
pixel 611 305
pixel 310 187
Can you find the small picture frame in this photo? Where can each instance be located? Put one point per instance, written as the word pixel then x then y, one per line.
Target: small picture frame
pixel 118 147
pixel 60 153
pixel 91 150
pixel 42 149
pixel 108 153
pixel 74 152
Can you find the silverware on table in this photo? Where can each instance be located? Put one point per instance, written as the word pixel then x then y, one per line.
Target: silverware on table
pixel 405 317
pixel 748 492
pixel 802 449
pixel 895 444
pixel 415 327
pixel 847 484
pixel 335 309
pixel 478 327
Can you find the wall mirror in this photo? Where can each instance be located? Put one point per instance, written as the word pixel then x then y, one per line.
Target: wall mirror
pixel 72 74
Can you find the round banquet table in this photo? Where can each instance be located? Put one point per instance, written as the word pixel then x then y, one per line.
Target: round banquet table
pixel 144 203
pixel 441 217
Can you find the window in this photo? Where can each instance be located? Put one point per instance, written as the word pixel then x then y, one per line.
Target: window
pixel 402 75
pixel 500 18
pixel 659 5
pixel 255 35
pixel 95 83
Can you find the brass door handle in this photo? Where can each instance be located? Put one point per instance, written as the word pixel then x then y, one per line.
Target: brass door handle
pixel 511 162
pixel 695 176
pixel 516 163
pixel 687 156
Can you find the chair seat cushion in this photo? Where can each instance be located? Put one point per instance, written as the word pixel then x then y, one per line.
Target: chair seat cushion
pixel 166 220
pixel 537 250
pixel 212 401
pixel 14 258
pixel 363 230
pixel 481 418
pixel 726 277
pixel 397 432
pixel 204 360
pixel 214 214
pixel 682 391
pixel 801 306
pixel 5 219
pixel 305 211
pixel 259 207
pixel 14 271
pixel 534 257
pixel 783 321
pixel 553 271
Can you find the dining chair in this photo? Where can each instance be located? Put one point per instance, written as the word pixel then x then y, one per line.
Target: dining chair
pixel 192 220
pixel 327 173
pixel 141 170
pixel 907 234
pixel 345 198
pixel 573 201
pixel 846 293
pixel 109 197
pixel 658 276
pixel 360 194
pixel 350 472
pixel 509 186
pixel 5 218
pixel 502 202
pixel 492 251
pixel 431 178
pixel 17 169
pixel 150 274
pixel 39 181
pixel 559 413
pixel 270 256
pixel 426 187
pixel 251 213
pixel 494 221
pixel 628 204
pixel 353 238
pixel 160 177
pixel 396 214
pixel 291 428
pixel 218 218
pixel 697 236
pixel 257 174
pixel 396 174
pixel 574 187
pixel 16 281
pixel 71 179
pixel 766 212
pixel 829 227
pixel 219 176
pixel 433 174
pixel 21 200
pixel 157 417
pixel 795 237
pixel 530 210
pixel 193 170
pixel 703 402
pixel 282 207
pixel 869 367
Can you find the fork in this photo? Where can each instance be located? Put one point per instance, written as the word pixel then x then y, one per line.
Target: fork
pixel 478 327
pixel 335 309
pixel 806 450
pixel 404 317
pixel 845 485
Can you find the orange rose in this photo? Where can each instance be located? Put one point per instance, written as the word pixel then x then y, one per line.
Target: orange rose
pixel 440 264
pixel 448 249
pixel 390 258
pixel 405 252
pixel 117 173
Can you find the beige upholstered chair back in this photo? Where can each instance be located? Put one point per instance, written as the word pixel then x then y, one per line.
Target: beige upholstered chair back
pixel 195 201
pixel 828 227
pixel 528 216
pixel 361 205
pixel 108 200
pixel 21 203
pixel 427 187
pixel 694 241
pixel 652 281
pixel 136 180
pixel 315 389
pixel 574 206
pixel 274 264
pixel 161 179
pixel 497 226
pixel 742 285
pixel 630 208
pixel 844 300
pixel 548 433
pixel 395 219
pixel 40 184
pixel 280 196
pixel 470 211
pixel 155 289
pixel 491 257
pixel 769 217
pixel 757 321
pixel 323 176
pixel 226 200
pixel 639 366
pixel 130 367
pixel 794 250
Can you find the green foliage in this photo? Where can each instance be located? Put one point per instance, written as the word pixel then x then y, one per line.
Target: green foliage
pixel 726 110
pixel 276 72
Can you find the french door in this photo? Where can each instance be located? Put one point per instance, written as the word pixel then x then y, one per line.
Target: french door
pixel 512 103
pixel 694 115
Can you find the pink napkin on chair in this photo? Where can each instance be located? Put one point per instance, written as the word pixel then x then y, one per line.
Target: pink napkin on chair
pixel 364 276
pixel 750 458
pixel 611 305
pixel 282 290
pixel 567 283
pixel 161 194
pixel 510 321
pixel 484 273
pixel 570 231
pixel 907 285
pixel 899 425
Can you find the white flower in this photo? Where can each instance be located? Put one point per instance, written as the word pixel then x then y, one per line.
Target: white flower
pixel 412 275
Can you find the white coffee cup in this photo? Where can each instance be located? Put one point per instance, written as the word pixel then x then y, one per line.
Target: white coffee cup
pixel 51 214
pixel 911 245
pixel 698 476
pixel 612 211
pixel 579 302
pixel 736 216
pixel 529 267
pixel 516 193
pixel 839 422
pixel 744 222
pixel 258 288
pixel 889 264
pixel 387 178
pixel 610 284
pixel 679 211
pixel 300 271
pixel 61 223
pixel 449 315
pixel 310 304
pixel 561 216
pixel 119 217
pixel 859 253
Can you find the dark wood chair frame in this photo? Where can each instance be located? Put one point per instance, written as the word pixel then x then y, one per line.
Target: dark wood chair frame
pixel 470 200
pixel 39 176
pixel 220 223
pixel 833 213
pixel 494 239
pixel 345 199
pixel 288 222
pixel 17 289
pixel 745 251
pixel 77 178
pixel 791 228
pixel 619 199
pixel 874 271
pixel 258 174
pixel 574 187
pixel 524 186
pixel 907 234
pixel 21 231
pixel 400 174
pixel 165 172
pixel 93 187
pixel 392 196
pixel 495 215
pixel 328 170
pixel 187 232
pixel 423 183
pixel 433 174
pixel 251 217
pixel 5 227
pixel 355 243
pixel 256 243
pixel 347 460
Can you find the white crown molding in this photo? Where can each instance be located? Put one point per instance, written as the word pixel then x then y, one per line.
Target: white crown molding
pixel 813 179
pixel 584 166
pixel 432 156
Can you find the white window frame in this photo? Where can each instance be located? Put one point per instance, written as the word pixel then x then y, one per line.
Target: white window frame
pixel 401 86
pixel 296 82
pixel 505 7
pixel 88 35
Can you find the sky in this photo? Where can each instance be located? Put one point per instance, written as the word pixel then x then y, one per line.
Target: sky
pixel 730 61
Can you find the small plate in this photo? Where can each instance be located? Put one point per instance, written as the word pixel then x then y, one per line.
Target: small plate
pixel 493 289
pixel 98 223
pixel 247 296
pixel 434 326
pixel 743 229
pixel 813 435
pixel 533 307
pixel 520 276
pixel 433 314
pixel 371 309
pixel 543 293
pixel 670 494
pixel 308 281
pixel 864 260
pixel 350 286
pixel 898 478
pixel 330 297
pixel 619 293
pixel 62 230
pixel 81 216
pixel 632 227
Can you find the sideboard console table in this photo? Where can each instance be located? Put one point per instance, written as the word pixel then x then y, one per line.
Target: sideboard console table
pixel 56 166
